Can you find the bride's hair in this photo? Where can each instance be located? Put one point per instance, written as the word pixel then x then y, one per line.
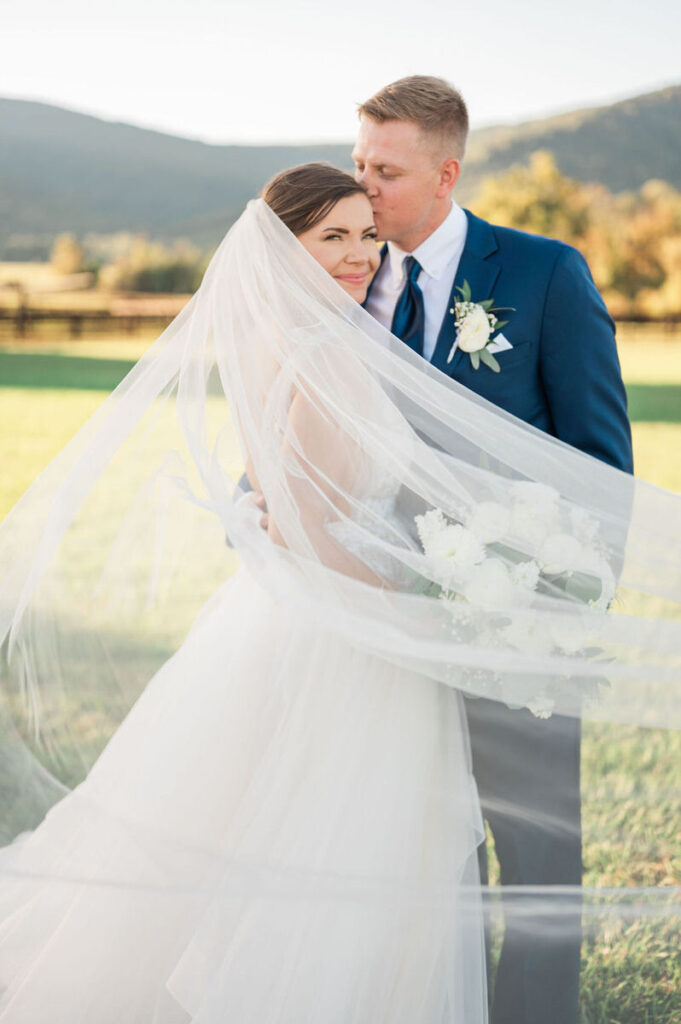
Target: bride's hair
pixel 303 195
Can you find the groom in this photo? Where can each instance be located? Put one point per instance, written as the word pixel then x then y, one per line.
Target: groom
pixel 559 371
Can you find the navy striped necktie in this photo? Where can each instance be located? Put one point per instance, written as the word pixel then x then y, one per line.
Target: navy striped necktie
pixel 409 317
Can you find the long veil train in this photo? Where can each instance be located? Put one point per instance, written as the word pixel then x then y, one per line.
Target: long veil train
pixel 286 823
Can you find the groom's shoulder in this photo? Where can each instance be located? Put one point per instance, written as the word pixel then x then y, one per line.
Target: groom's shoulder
pixel 526 245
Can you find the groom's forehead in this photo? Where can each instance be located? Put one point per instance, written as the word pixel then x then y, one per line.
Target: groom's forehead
pixel 392 143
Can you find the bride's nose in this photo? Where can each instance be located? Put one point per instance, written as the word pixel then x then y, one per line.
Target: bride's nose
pixel 356 253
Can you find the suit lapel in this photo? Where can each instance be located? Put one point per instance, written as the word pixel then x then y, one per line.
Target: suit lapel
pixel 481 274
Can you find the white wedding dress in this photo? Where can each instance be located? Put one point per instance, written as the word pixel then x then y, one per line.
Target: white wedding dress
pixel 283 829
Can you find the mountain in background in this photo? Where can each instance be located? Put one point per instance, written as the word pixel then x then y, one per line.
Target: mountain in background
pixel 65 171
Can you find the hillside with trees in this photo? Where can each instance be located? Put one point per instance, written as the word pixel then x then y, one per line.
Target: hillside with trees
pixel 62 171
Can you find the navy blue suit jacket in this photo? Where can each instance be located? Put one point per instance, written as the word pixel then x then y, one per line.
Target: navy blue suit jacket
pixel 563 373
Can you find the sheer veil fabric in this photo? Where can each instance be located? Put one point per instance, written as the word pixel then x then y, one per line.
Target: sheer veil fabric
pixel 235 775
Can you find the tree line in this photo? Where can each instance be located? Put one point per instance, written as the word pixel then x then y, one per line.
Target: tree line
pixel 631 240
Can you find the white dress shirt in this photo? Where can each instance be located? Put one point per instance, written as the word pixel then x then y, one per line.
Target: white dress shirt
pixel 439 258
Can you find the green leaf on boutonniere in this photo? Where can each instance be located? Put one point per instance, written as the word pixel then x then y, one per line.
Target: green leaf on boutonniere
pixel 499 324
pixel 465 291
pixel 475 359
pixel 487 304
pixel 489 360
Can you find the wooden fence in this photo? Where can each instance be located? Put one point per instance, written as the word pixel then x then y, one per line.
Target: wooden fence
pixel 25 322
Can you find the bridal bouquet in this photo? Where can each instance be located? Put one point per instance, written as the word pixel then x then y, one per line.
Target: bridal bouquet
pixel 487 562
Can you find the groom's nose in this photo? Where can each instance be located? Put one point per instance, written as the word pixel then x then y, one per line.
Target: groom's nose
pixel 366 179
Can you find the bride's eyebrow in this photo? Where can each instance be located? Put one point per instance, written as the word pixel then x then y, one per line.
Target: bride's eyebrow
pixel 344 231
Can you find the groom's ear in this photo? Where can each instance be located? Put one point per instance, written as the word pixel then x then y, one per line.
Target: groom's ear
pixel 449 173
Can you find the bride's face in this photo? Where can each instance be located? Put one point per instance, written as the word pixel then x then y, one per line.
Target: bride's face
pixel 344 243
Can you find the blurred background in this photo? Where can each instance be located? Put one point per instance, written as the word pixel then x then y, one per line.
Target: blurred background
pixel 131 138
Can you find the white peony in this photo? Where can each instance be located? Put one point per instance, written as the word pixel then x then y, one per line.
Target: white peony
pixel 474 332
pixel 559 553
pixel 490 584
pixel 490 521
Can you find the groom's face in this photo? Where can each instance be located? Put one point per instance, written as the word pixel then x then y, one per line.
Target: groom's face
pixel 400 169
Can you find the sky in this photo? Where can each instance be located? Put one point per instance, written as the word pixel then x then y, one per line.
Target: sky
pixel 271 71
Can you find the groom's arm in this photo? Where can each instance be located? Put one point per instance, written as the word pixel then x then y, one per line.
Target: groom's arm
pixel 580 367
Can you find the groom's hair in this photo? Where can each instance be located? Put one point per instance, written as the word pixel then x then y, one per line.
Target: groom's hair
pixel 431 103
pixel 303 195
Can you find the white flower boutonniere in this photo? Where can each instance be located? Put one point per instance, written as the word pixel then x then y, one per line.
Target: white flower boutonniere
pixel 476 325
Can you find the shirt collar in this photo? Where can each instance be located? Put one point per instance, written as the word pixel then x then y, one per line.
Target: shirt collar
pixel 436 252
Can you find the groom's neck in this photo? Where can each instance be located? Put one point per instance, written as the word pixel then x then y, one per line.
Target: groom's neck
pixel 411 238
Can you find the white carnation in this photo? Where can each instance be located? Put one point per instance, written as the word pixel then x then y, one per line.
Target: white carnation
pixel 429 525
pixel 490 521
pixel 525 575
pixel 473 333
pixel 559 553
pixel 459 545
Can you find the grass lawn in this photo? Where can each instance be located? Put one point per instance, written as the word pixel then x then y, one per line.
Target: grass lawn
pixel 632 777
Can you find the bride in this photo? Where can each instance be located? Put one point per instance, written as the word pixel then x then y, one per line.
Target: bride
pixel 262 837
pixel 272 817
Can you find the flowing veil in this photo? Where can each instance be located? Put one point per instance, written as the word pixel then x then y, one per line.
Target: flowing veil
pixel 409 519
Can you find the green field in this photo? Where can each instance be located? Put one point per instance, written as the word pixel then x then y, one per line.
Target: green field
pixel 632 777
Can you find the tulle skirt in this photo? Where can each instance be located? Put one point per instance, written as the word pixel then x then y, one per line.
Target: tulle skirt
pixel 283 829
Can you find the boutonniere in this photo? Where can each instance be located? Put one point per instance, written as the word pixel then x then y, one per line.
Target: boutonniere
pixel 476 326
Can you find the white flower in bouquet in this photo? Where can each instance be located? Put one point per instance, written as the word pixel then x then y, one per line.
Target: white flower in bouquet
pixel 560 553
pixel 451 541
pixel 489 521
pixel 525 575
pixel 532 523
pixel 490 584
pixel 460 546
pixel 428 526
pixel 475 329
